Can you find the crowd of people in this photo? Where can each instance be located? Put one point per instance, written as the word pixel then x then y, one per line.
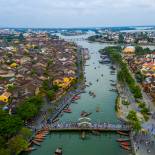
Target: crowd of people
pixel 144 143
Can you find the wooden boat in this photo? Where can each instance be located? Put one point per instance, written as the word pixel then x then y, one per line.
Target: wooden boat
pixel 126 147
pixel 123 133
pixel 55 120
pixel 58 151
pixel 97 109
pixel 45 132
pixel 67 110
pixel 113 67
pixel 30 149
pixel 40 136
pixel 82 113
pixel 125 143
pixel 94 95
pixel 114 90
pixel 90 83
pixel 90 93
pixel 83 134
pixel 38 140
pixel 73 101
pixel 35 142
pixel 113 84
pixel 122 140
pixel 85 114
pixel 76 97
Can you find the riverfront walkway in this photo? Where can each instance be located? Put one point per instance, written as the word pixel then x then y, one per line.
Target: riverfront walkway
pixel 90 127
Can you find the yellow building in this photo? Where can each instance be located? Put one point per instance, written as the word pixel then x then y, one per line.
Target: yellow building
pixel 13 65
pixel 64 83
pixel 128 51
pixel 5 97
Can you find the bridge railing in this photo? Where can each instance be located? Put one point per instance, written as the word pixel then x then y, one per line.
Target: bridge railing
pixel 91 126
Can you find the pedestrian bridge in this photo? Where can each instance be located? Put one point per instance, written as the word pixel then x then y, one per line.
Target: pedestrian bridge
pixel 87 126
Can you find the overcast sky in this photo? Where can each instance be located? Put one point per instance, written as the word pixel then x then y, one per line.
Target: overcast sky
pixel 76 13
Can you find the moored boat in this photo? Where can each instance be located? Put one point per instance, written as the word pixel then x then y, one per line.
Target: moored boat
pixel 122 140
pixel 76 97
pixel 125 143
pixel 85 114
pixel 126 147
pixel 97 109
pixel 38 139
pixel 35 142
pixel 58 151
pixel 67 110
pixel 123 133
pixel 83 134
pixel 30 149
pixel 55 120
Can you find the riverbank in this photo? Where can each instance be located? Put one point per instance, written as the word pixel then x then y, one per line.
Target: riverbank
pixel 125 104
pixel 122 44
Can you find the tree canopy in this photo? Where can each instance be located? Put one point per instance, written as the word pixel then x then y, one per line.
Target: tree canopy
pixel 30 107
pixel 17 144
pixel 9 124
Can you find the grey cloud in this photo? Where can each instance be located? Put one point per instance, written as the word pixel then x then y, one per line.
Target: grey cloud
pixel 76 12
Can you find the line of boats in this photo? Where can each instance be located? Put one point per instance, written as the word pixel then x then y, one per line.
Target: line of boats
pixel 124 143
pixel 104 59
pixel 38 138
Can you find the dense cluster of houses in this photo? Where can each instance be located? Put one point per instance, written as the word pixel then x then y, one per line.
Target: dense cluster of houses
pixel 127 37
pixel 144 66
pixel 26 63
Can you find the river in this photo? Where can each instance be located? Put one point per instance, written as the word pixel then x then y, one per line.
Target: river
pixel 72 143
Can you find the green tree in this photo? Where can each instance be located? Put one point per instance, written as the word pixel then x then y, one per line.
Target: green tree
pixel 27 111
pixel 137 126
pixel 50 93
pixel 132 117
pixel 137 92
pixel 9 125
pixel 30 107
pixel 26 133
pixel 2 142
pixel 4 151
pixel 120 76
pixel 17 144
